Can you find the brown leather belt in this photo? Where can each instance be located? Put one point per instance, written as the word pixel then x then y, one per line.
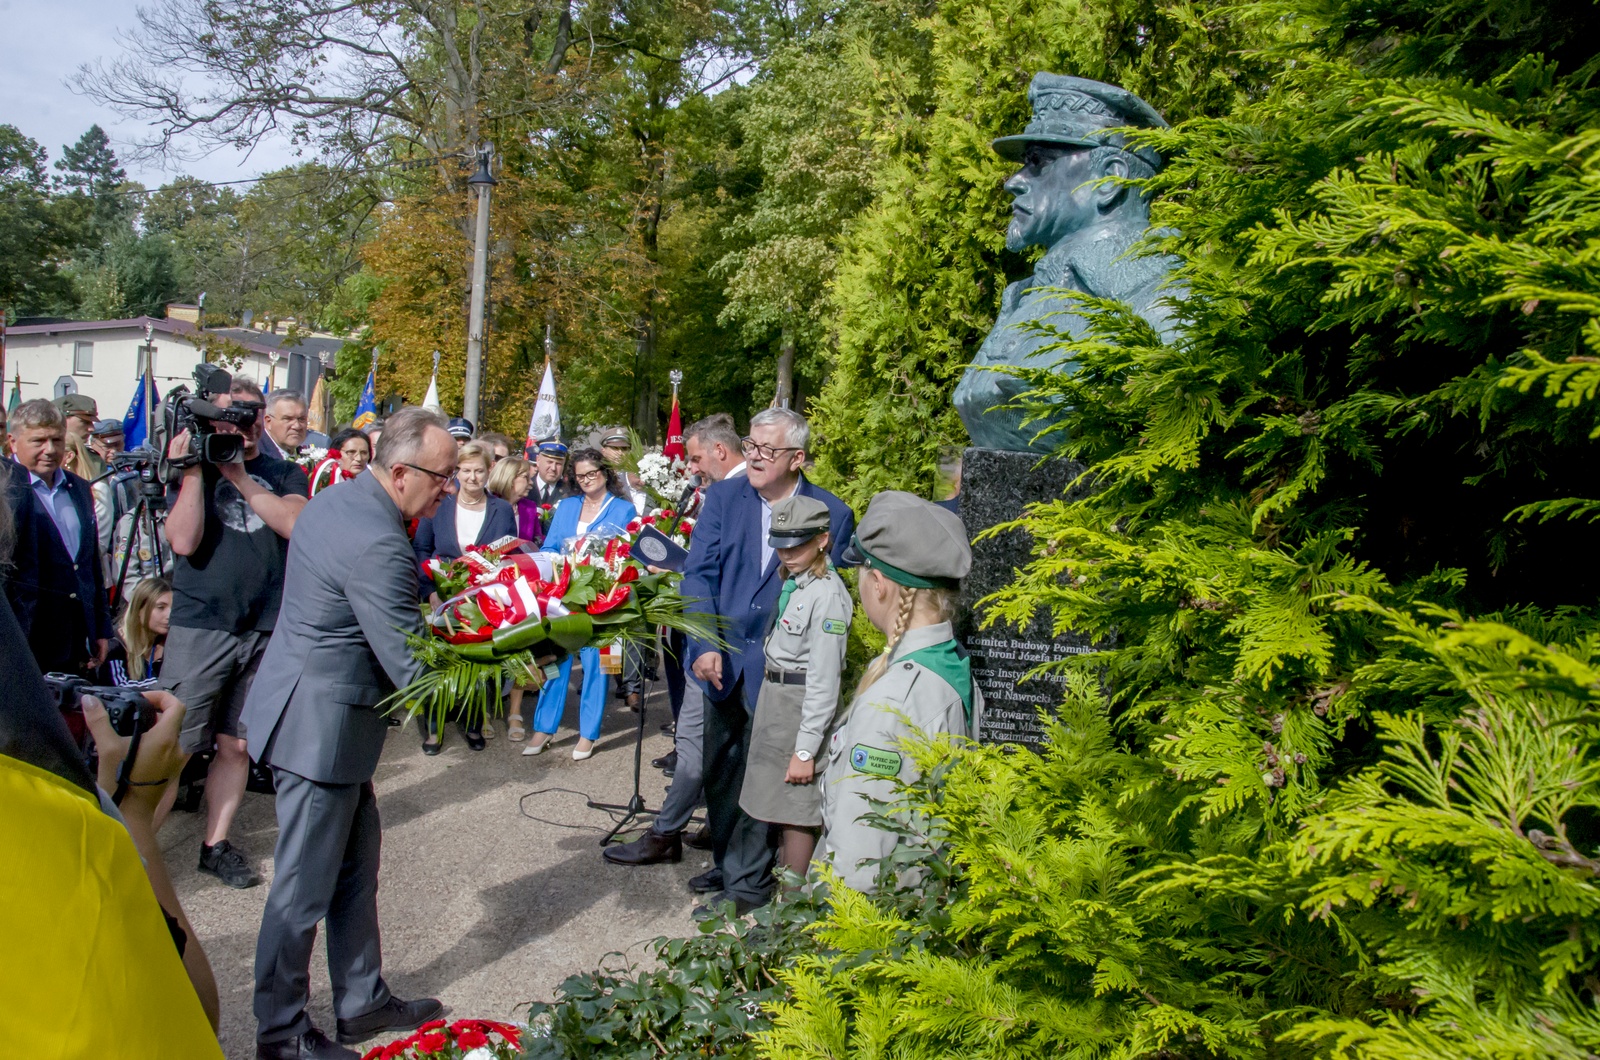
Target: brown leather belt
pixel 786 677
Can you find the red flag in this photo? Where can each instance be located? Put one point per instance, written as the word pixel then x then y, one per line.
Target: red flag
pixel 674 449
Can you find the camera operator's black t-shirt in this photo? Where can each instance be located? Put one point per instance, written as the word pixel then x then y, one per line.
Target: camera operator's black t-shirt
pixel 234 580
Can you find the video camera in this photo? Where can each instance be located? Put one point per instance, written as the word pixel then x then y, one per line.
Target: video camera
pixel 145 462
pixel 182 411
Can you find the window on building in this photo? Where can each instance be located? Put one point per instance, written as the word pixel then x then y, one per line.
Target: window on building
pixel 83 358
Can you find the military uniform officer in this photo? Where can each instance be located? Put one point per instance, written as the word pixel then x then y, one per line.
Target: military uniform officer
pixel 913 555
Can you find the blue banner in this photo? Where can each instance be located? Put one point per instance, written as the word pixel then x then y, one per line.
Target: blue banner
pixel 133 423
pixel 367 407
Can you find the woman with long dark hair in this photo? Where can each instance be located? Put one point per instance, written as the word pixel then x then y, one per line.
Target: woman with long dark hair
pixel 600 510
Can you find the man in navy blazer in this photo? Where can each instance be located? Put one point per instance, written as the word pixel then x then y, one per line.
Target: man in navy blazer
pixel 733 573
pixel 55 584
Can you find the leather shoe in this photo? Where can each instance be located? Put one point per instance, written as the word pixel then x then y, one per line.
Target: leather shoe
pixel 652 848
pixel 708 882
pixel 667 762
pixel 392 1015
pixel 312 1045
pixel 475 740
pixel 701 840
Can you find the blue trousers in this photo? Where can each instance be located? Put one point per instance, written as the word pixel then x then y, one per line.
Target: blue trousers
pixel 591 699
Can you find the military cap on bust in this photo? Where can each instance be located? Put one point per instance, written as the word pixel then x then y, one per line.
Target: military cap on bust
pixel 912 542
pixel 796 520
pixel 460 427
pixel 1076 112
pixel 78 405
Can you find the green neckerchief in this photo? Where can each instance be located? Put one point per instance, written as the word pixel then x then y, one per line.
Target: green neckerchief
pixel 952 664
pixel 789 586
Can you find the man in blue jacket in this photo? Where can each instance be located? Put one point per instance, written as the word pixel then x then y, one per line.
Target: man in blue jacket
pixel 56 583
pixel 733 573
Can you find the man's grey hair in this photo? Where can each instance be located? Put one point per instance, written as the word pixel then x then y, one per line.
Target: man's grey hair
pixel 404 435
pixel 282 395
pixel 796 431
pixel 40 412
pixel 717 427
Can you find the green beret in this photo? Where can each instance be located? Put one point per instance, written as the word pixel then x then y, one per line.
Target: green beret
pixel 796 520
pixel 912 542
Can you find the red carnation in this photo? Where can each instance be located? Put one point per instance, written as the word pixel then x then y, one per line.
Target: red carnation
pixel 431 1025
pixel 373 1054
pixel 433 1043
pixel 471 1039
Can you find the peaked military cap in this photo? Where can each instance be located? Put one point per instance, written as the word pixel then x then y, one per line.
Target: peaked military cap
pixel 796 520
pixel 460 427
pixel 1076 112
pixel 106 428
pixel 912 542
pixel 78 405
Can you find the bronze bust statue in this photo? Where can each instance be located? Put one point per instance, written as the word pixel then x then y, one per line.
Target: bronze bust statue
pixel 1088 229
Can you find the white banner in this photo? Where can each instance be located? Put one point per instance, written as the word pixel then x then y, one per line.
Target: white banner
pixel 546 422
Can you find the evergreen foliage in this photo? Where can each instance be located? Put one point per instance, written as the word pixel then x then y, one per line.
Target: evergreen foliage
pixel 1332 790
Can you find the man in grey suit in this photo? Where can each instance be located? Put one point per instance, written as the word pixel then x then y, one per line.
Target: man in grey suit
pixel 349 596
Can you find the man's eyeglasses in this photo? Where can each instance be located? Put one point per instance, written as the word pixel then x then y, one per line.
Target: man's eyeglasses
pixel 441 476
pixel 751 447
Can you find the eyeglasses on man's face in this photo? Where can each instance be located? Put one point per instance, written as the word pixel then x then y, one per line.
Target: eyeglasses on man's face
pixel 446 480
pixel 750 447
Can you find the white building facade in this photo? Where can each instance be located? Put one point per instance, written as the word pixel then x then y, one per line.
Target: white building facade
pixel 102 360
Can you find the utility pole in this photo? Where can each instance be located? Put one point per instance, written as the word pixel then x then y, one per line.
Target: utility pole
pixel 482 181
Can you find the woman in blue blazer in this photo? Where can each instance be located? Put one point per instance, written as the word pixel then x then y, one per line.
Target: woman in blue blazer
pixel 484 517
pixel 600 510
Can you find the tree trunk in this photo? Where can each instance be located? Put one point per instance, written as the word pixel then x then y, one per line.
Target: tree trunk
pixel 783 398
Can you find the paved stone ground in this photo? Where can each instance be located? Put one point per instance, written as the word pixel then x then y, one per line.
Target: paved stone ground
pixel 481 905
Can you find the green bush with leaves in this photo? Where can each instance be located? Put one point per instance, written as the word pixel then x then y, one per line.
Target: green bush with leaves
pixel 1331 790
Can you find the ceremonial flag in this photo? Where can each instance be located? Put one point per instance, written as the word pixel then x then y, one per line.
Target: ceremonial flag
pixel 432 400
pixel 674 449
pixel 367 407
pixel 317 419
pixel 16 393
pixel 134 421
pixel 546 422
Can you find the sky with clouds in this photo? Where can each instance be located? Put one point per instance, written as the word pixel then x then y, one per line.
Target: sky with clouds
pixel 45 42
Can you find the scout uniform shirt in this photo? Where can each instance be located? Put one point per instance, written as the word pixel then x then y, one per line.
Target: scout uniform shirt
pixel 810 634
pixel 926 690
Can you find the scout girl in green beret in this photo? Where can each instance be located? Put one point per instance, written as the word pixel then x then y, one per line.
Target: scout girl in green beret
pixel 913 555
pixel 800 690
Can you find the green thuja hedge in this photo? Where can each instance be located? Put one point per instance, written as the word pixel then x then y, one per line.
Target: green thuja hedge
pixel 1333 791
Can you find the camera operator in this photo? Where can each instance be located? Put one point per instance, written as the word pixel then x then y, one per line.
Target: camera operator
pixel 229 528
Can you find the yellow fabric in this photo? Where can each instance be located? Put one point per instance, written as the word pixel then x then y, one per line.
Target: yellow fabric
pixel 87 964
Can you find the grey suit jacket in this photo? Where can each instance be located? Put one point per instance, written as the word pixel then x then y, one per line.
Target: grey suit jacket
pixel 349 598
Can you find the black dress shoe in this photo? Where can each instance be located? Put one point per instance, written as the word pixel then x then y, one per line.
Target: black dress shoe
pixel 652 848
pixel 708 882
pixel 701 840
pixel 432 748
pixel 312 1045
pixel 475 740
pixel 667 763
pixel 392 1015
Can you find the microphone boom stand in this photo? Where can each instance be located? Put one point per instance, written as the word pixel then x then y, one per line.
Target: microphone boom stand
pixel 635 806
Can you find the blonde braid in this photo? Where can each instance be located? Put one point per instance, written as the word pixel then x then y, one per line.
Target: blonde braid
pixel 878 666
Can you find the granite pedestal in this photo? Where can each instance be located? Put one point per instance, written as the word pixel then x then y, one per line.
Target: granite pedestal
pixel 995 487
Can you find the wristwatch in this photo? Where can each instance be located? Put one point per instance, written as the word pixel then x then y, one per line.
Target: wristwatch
pixel 804 756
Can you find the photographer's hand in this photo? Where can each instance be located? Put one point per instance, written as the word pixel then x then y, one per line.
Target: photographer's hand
pixel 156 766
pixel 159 758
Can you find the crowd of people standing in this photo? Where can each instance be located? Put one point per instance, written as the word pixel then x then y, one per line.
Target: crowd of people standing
pixel 278 623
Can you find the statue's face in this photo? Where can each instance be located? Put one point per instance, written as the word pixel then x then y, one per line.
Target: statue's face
pixel 1054 196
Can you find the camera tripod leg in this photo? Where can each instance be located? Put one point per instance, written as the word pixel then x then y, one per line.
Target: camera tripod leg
pixel 635 806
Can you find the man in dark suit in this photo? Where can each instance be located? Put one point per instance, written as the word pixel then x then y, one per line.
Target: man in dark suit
pixel 733 573
pixel 550 473
pixel 56 584
pixel 339 648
